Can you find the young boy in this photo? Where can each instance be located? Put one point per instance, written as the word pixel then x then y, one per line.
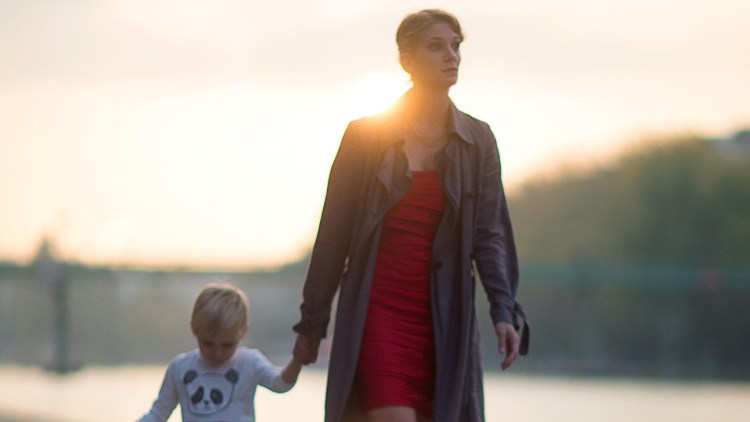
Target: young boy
pixel 217 381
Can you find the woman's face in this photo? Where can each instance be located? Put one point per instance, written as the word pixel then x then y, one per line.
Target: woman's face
pixel 435 58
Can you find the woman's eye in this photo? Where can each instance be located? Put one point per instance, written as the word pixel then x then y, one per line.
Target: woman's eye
pixel 456 46
pixel 434 46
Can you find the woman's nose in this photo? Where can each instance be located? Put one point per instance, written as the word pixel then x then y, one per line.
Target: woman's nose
pixel 452 55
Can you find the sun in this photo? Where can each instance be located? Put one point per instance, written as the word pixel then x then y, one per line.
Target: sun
pixel 376 92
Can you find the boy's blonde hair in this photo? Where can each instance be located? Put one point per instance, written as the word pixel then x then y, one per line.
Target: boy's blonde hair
pixel 220 308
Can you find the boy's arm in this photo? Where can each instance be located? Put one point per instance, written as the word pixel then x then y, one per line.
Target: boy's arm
pixel 166 401
pixel 290 373
pixel 272 377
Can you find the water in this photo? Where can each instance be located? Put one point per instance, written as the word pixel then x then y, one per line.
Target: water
pixel 115 394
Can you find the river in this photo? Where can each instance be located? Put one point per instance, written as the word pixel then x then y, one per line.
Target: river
pixel 114 394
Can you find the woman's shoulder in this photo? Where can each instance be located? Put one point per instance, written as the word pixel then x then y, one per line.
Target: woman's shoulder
pixel 471 128
pixel 470 120
pixel 374 123
pixel 372 132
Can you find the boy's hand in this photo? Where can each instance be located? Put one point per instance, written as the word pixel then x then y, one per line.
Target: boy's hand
pixel 306 349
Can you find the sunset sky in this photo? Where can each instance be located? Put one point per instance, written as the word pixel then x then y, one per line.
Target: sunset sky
pixel 200 133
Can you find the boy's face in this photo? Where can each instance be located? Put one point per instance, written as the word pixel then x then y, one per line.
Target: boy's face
pixel 217 349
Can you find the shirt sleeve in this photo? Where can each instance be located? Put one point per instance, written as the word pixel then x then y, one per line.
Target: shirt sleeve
pixel 167 400
pixel 269 376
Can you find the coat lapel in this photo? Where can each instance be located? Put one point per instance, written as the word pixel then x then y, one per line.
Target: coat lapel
pixel 449 161
pixel 393 178
pixel 448 167
pixel 392 174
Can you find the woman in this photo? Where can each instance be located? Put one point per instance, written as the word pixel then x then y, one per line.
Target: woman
pixel 415 201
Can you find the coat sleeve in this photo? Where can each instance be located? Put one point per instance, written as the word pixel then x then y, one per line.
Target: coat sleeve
pixel 494 247
pixel 334 235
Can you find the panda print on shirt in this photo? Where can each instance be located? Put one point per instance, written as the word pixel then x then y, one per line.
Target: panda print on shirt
pixel 209 392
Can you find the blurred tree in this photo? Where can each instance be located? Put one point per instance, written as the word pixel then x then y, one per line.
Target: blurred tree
pixel 682 201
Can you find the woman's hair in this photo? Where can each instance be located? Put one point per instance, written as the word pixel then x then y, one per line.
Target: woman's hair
pixel 415 24
pixel 220 308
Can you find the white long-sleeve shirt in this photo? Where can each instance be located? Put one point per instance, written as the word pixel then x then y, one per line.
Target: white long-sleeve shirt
pixel 220 394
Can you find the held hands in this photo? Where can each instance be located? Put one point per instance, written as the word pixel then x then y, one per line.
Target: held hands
pixel 306 349
pixel 507 343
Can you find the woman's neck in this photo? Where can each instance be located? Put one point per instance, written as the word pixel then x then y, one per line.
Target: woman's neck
pixel 428 106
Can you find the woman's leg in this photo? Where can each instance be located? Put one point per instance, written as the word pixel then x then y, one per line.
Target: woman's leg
pixel 423 418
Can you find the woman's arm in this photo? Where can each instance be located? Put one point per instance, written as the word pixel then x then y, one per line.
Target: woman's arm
pixel 494 247
pixel 332 243
pixel 495 252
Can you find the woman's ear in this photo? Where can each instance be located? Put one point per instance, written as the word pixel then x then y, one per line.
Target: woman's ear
pixel 406 62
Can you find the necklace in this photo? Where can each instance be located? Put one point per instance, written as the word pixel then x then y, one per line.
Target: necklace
pixel 431 138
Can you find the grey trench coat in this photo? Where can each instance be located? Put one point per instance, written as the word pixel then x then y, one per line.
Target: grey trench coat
pixel 369 175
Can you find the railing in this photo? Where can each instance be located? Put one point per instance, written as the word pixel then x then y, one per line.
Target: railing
pixel 585 319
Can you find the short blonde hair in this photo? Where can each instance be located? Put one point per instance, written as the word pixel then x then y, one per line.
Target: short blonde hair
pixel 220 308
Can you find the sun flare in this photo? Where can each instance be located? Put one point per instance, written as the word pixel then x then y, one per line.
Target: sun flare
pixel 376 92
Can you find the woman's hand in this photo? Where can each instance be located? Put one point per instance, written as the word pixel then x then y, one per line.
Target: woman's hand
pixel 507 343
pixel 306 349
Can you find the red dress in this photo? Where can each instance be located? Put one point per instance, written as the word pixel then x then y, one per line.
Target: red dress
pixel 397 358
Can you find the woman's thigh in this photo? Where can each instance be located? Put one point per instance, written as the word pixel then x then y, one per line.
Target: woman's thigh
pixel 395 414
